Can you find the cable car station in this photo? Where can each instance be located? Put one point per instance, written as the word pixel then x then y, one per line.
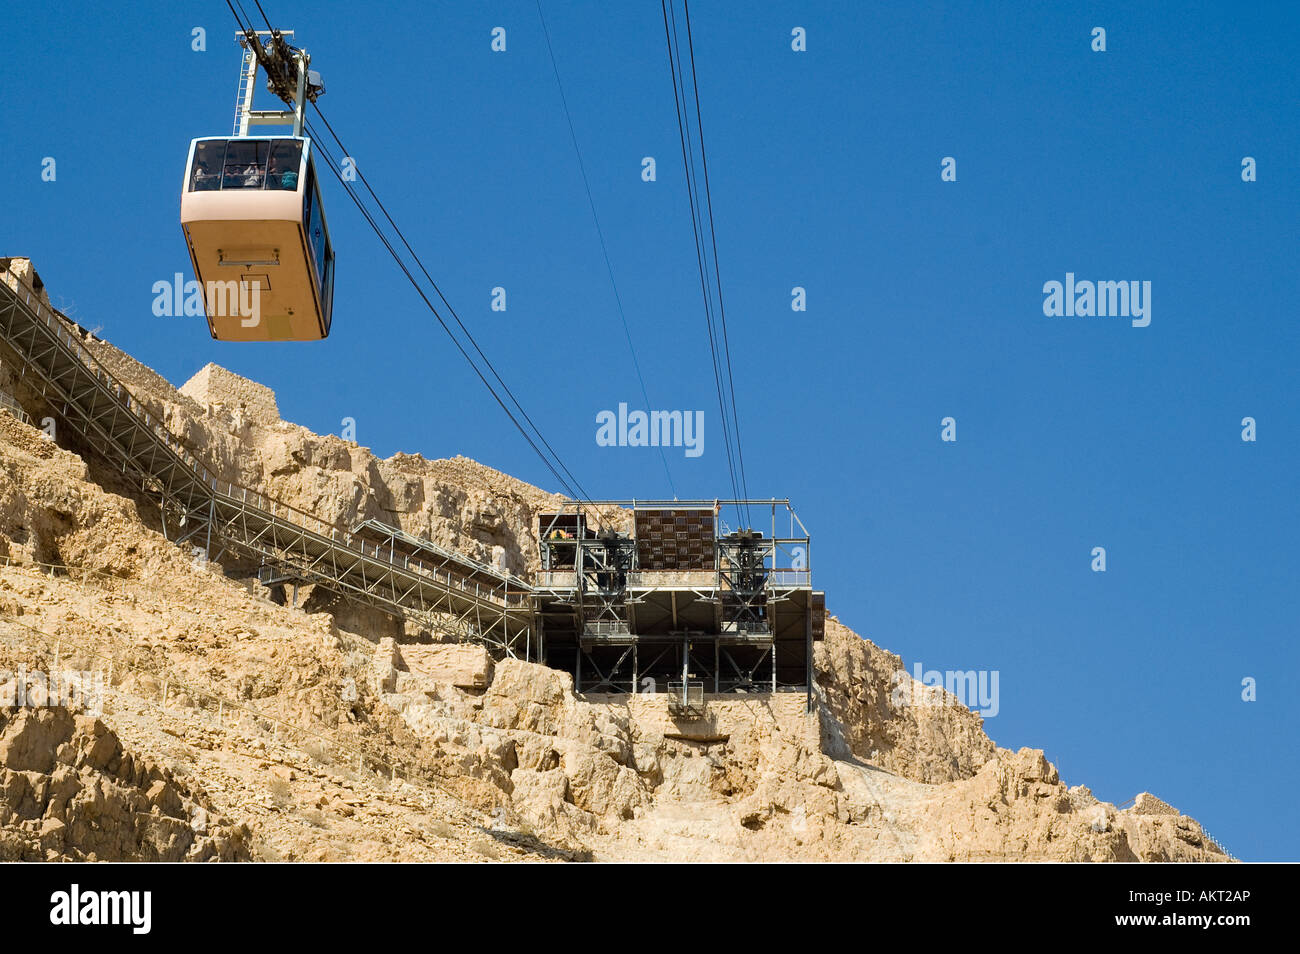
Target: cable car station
pixel 676 601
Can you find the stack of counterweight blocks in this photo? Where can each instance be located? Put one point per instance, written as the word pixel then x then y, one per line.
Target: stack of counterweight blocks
pixel 675 539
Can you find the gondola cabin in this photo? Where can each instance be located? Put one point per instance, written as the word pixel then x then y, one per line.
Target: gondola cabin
pixel 252 216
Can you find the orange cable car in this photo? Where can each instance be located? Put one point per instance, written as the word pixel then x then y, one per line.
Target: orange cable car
pixel 256 231
pixel 251 209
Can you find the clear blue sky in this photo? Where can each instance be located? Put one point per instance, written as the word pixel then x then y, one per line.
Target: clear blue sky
pixel 924 300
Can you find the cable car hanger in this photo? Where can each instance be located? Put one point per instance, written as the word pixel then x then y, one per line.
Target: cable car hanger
pixel 287 76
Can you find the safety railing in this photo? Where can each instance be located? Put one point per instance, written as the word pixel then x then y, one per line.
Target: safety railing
pixel 605 627
pixel 686 697
pixel 789 578
pixel 1218 844
pixel 9 404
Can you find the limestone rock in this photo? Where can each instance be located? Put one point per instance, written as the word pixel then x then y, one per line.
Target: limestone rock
pixel 64 812
pixel 213 384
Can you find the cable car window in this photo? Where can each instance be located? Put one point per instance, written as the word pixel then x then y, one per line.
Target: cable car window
pixel 208 160
pixel 282 170
pixel 309 193
pixel 327 290
pixel 316 234
pixel 245 166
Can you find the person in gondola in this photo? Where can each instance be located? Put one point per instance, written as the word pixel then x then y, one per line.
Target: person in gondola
pixel 205 179
pixel 280 176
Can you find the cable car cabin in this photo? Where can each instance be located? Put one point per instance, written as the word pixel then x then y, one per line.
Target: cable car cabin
pixel 256 232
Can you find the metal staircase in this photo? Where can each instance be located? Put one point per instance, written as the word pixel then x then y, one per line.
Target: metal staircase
pixel 441 590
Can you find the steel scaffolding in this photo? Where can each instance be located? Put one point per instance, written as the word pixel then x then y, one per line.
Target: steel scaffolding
pixel 443 591
pixel 679 604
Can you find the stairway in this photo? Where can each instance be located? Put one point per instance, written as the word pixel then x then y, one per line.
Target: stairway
pixel 441 590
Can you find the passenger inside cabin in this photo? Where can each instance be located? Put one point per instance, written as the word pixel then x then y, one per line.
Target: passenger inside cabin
pixel 279 175
pixel 205 179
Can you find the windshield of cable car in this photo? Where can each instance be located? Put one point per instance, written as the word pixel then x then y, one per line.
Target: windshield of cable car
pixel 246 164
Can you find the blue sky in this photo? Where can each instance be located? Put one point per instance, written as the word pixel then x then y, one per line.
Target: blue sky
pixel 924 301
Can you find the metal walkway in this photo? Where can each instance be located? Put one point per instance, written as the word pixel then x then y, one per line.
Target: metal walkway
pixel 436 588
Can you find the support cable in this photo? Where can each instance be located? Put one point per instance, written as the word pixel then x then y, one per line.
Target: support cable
pixel 618 299
pixel 554 463
pixel 679 96
pixel 717 273
pixel 574 490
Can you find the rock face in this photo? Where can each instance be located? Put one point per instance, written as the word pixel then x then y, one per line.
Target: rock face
pixel 753 780
pixel 934 743
pixel 1148 804
pixel 69 792
pixel 24 273
pixel 214 385
pixel 19 274
pixel 862 777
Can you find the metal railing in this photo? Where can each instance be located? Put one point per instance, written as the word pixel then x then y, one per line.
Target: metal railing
pixel 686 696
pixel 606 627
pixel 9 404
pixel 789 578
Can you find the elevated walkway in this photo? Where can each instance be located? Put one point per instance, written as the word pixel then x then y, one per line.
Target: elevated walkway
pixel 436 588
